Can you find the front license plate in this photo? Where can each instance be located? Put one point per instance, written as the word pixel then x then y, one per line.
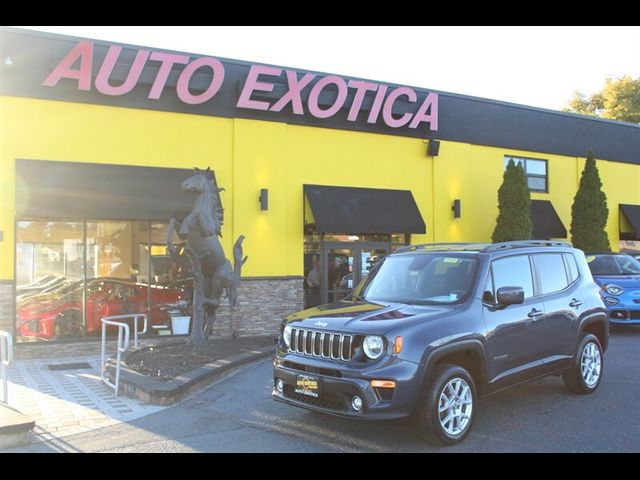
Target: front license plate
pixel 307 385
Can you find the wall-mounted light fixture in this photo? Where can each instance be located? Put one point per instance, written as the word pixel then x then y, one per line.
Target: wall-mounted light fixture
pixel 456 208
pixel 433 148
pixel 264 199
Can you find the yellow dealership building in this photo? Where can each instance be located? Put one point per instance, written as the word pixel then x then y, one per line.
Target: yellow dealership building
pixel 323 175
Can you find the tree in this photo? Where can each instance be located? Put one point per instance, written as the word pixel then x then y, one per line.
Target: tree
pixel 514 205
pixel 589 211
pixel 618 100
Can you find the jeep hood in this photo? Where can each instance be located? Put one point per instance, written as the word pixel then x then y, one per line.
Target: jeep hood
pixel 363 316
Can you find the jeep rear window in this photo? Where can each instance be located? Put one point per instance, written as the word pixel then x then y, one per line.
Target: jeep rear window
pixel 426 279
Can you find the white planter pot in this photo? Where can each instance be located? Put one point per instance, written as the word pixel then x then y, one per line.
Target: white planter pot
pixel 180 324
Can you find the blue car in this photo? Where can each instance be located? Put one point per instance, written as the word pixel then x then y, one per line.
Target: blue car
pixel 618 275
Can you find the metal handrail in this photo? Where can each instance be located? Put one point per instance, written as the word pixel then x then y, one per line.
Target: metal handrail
pixel 123 343
pixel 6 357
pixel 135 317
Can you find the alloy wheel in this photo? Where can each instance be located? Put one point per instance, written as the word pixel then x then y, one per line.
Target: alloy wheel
pixel 455 406
pixel 591 364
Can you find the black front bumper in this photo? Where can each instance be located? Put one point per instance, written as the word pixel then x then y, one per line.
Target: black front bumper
pixel 339 386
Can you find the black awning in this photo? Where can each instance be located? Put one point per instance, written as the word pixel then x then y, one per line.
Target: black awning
pixel 364 210
pixel 632 214
pixel 546 222
pixel 66 190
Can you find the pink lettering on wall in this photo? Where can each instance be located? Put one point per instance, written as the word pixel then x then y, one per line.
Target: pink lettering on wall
pixel 294 93
pixel 167 61
pixel 361 90
pixel 388 107
pixel 83 51
pixel 77 65
pixel 314 96
pixel 252 84
pixel 377 104
pixel 430 104
pixel 216 80
pixel 102 80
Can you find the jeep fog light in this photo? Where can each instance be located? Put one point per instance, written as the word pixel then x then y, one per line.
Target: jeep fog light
pixel 356 403
pixel 286 335
pixel 373 346
pixel 279 385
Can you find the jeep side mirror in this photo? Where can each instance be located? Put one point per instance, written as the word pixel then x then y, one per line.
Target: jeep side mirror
pixel 510 295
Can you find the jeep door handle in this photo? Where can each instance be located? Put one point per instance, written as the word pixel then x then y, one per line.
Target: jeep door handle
pixel 535 314
pixel 575 303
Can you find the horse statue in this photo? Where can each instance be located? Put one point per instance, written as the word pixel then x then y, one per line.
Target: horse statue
pixel 212 272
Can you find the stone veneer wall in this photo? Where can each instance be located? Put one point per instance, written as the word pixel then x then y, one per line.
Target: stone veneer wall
pixel 7 304
pixel 262 305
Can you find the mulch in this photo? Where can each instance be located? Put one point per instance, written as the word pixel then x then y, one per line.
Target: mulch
pixel 164 362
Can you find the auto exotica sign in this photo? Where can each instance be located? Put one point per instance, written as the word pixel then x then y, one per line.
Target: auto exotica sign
pixel 302 92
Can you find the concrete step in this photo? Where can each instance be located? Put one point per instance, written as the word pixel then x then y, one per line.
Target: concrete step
pixel 14 427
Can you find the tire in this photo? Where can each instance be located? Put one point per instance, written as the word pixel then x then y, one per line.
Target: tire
pixel 447 382
pixel 585 374
pixel 69 324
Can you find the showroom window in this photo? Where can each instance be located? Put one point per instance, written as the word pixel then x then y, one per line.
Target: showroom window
pixel 71 274
pixel 535 169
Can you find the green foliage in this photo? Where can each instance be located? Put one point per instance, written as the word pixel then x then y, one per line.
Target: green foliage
pixel 618 100
pixel 589 211
pixel 514 205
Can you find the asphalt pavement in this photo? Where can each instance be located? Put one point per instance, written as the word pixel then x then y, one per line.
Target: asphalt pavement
pixel 237 415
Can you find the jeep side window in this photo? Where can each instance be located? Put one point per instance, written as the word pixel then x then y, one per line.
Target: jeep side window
pixel 551 272
pixel 513 272
pixel 572 267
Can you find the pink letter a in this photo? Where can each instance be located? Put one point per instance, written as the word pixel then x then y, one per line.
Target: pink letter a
pixel 82 51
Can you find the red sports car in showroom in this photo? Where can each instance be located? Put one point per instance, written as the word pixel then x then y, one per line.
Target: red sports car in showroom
pixel 59 313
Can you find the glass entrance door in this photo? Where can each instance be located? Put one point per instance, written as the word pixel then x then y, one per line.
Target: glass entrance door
pixel 346 264
pixel 338 262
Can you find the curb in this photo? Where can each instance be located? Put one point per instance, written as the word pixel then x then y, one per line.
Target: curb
pixel 146 389
pixel 14 427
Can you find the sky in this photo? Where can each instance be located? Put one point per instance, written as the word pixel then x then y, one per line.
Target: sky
pixel 537 66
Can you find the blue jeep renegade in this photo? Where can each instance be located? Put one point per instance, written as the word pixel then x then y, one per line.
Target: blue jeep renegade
pixel 433 327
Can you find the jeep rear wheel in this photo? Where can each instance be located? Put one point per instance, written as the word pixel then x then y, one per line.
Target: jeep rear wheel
pixel 446 408
pixel 586 373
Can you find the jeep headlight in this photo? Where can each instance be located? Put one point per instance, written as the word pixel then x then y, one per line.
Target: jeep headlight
pixel 614 289
pixel 373 346
pixel 286 335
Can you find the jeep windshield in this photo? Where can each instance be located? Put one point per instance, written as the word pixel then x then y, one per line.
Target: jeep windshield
pixel 613 265
pixel 422 279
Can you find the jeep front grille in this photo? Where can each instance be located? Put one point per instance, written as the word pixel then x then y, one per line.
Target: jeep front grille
pixel 336 346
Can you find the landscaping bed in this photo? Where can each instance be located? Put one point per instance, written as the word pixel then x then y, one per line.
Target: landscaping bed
pixel 168 361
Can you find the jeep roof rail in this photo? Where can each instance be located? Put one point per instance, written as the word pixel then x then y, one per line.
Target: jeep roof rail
pixel 481 247
pixel 475 246
pixel 524 244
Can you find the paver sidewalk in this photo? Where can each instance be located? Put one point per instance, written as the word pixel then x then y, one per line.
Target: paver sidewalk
pixel 66 402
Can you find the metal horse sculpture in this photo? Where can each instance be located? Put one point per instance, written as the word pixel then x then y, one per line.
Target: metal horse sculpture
pixel 212 272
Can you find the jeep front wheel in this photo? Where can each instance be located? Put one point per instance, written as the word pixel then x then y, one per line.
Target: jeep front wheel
pixel 585 374
pixel 447 405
